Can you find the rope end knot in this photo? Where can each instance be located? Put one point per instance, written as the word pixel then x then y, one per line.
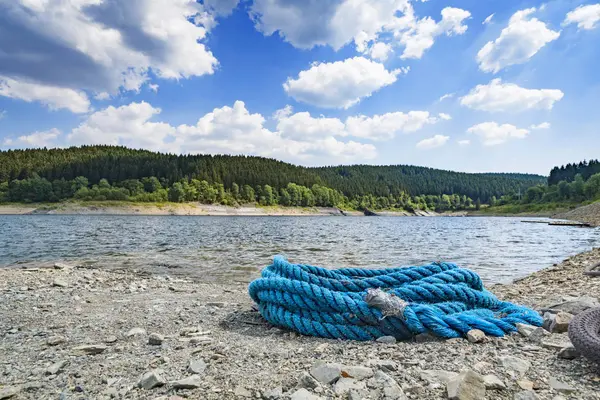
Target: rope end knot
pixel 389 304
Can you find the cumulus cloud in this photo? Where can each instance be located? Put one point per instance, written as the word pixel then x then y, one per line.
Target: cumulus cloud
pixel 492 134
pixel 33 140
pixel 509 97
pixel 340 84
pixel 543 125
pixel 54 97
pixel 518 42
pixel 445 117
pixel 100 46
pixel 586 17
pixel 386 126
pixel 433 142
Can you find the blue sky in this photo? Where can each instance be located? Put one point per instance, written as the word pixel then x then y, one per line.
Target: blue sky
pixel 464 85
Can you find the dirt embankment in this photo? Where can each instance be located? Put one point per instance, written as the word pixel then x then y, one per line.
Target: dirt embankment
pixel 589 214
pixel 80 333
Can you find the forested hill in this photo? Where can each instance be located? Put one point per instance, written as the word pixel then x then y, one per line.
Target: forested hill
pixel 117 164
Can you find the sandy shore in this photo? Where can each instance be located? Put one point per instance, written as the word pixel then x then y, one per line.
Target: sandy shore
pixel 108 208
pixel 80 333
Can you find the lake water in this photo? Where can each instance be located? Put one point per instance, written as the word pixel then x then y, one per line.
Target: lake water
pixel 236 248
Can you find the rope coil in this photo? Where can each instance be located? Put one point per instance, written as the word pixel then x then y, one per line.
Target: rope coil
pixel 364 304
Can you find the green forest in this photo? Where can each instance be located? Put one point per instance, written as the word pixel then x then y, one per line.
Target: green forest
pixel 118 173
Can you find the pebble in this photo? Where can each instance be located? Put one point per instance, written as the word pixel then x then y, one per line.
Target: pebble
pixel 560 386
pixel 303 394
pixel 525 395
pixel 56 367
pixel 90 349
pixel 135 332
pixel 568 353
pixel 155 339
pixel 273 394
pixel 561 322
pixel 386 339
pixel 8 392
pixel 475 336
pixel 468 385
pixel 492 382
pixel 55 340
pixel 111 339
pixel 197 366
pixel 191 382
pixel 515 364
pixel 58 282
pixel 152 379
pixel 241 391
pixel 326 373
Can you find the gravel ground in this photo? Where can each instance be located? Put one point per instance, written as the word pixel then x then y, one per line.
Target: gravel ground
pixel 589 214
pixel 79 333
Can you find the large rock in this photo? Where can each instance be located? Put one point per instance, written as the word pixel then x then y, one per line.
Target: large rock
pixel 59 282
pixel 514 365
pixel 303 394
pixel 560 386
pixel 525 395
pixel 561 322
pixel 8 392
pixel 492 382
pixel 575 305
pixel 241 391
pixel 345 385
pixel 537 335
pixel 273 394
pixel 391 389
pixel 191 382
pixel 326 373
pixel 568 353
pixel 197 367
pixel 155 339
pixel 357 372
pixel 56 367
pixel 468 385
pixel 152 379
pixel 525 330
pixel 556 342
pixel 434 376
pixel 307 381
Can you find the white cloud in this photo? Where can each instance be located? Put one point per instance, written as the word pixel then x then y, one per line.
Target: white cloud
pixel 433 142
pixel 543 125
pixel 446 96
pixel 340 84
pixel 491 133
pixel 302 125
pixel 421 36
pixel 380 51
pixel 586 17
pixel 221 7
pixel 153 87
pixel 102 46
pixel 488 20
pixel 386 126
pixel 464 142
pixel 33 140
pixel 52 96
pixel 509 97
pixel 519 41
pixel 445 117
pixel 102 96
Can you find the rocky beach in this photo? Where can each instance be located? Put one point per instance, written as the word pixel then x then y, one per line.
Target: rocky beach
pixel 69 332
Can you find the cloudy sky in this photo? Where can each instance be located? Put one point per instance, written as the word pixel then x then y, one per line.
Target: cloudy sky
pixel 469 85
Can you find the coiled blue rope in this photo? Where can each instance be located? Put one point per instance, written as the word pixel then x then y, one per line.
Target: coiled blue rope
pixel 440 298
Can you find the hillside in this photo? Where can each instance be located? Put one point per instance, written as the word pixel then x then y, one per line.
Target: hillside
pixel 117 164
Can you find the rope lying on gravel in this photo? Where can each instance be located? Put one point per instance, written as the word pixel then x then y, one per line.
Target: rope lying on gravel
pixel 440 298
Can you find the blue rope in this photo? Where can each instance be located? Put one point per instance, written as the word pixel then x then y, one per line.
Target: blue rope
pixel 441 298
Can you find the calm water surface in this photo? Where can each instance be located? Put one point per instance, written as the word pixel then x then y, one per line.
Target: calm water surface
pixel 236 248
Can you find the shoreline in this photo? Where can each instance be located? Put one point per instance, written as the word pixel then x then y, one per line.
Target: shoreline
pixel 208 334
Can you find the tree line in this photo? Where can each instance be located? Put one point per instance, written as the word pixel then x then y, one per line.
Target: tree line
pixel 568 172
pixel 118 164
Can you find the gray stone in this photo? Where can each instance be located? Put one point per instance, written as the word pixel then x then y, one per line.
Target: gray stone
pixel 525 395
pixel 548 319
pixel 391 389
pixel 58 282
pixel 197 367
pixel 538 335
pixel 241 391
pixel 425 337
pixel 560 386
pixel 556 342
pixel 468 385
pixel 307 381
pixel 111 339
pixel 155 339
pixel 525 384
pixel 492 382
pixel 55 340
pixel 475 336
pixel 152 379
pixel 561 322
pixel 135 332
pixel 575 305
pixel 515 365
pixel 273 394
pixel 434 376
pixel 56 367
pixel 191 382
pixel 8 392
pixel 386 339
pixel 385 365
pixel 326 373
pixel 303 394
pixel 568 353
pixel 525 330
pixel 90 349
pixel 344 385
pixel 357 372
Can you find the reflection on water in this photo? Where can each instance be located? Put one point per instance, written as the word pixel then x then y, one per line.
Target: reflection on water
pixel 236 248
